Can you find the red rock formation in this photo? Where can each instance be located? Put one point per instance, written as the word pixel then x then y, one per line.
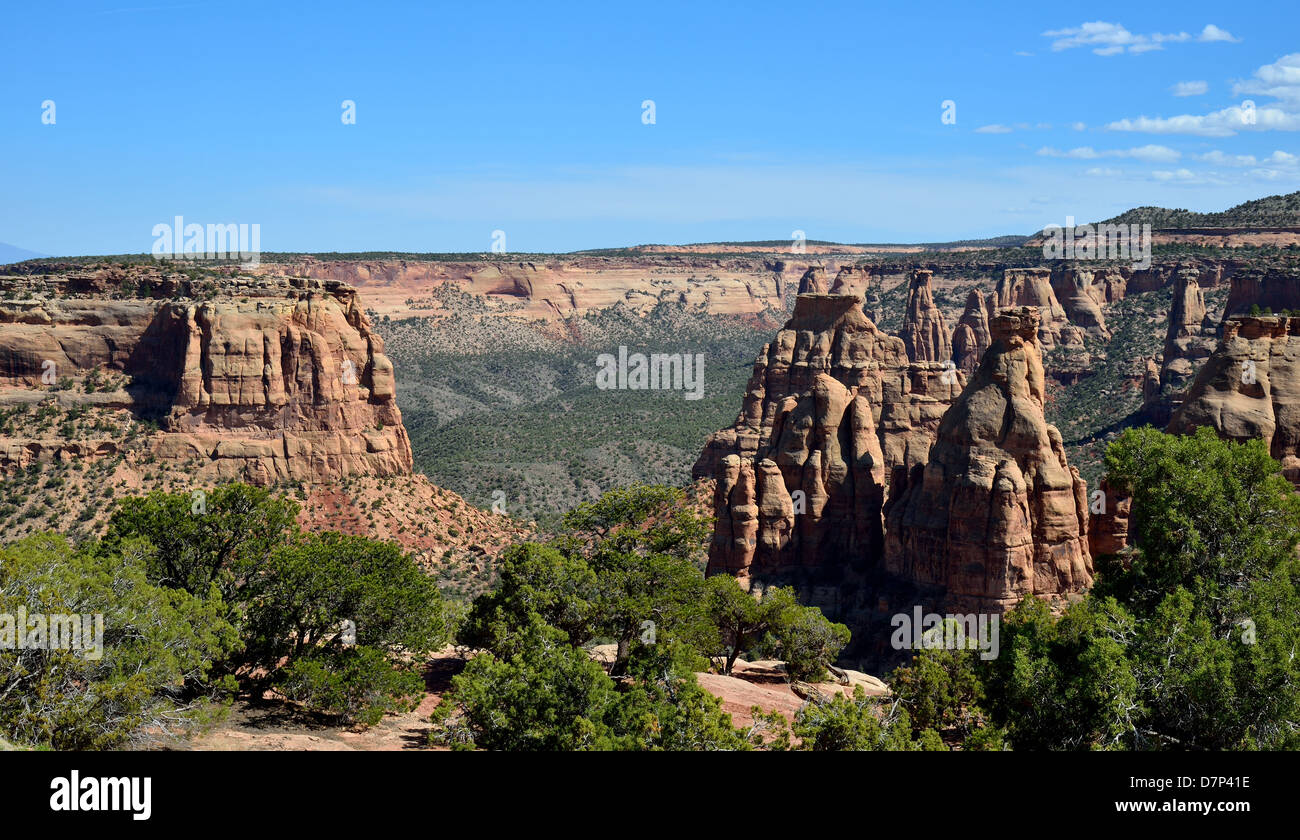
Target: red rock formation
pixel 1272 290
pixel 1032 287
pixel 855 280
pixel 832 406
pixel 272 380
pixel 556 287
pixel 814 282
pixel 996 512
pixel 1189 340
pixel 1250 388
pixel 1082 293
pixel 925 335
pixel 1108 521
pixel 971 337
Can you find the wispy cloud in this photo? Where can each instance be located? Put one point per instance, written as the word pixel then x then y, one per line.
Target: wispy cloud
pixel 1151 153
pixel 1222 123
pixel 1279 158
pixel 1279 80
pixel 1186 177
pixel 994 129
pixel 1189 88
pixel 1113 38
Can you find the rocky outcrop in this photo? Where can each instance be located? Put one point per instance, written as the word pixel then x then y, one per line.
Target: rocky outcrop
pixel 996 513
pixel 552 288
pixel 269 380
pixel 855 280
pixel 971 337
pixel 1108 521
pixel 1272 290
pixel 814 282
pixel 1250 388
pixel 1033 287
pixel 1189 340
pixel 1083 292
pixel 925 335
pixel 832 406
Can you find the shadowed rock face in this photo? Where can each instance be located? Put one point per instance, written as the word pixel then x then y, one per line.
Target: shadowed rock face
pixel 1033 287
pixel 1082 293
pixel 1250 388
pixel 814 282
pixel 1189 340
pixel 1273 290
pixel 269 381
pixel 925 335
pixel 1108 529
pixel 996 513
pixel 832 406
pixel 971 337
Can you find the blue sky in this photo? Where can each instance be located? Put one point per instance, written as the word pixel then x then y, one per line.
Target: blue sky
pixel 527 118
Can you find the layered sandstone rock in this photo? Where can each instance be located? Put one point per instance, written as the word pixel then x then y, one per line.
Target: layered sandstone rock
pixel 832 406
pixel 814 281
pixel 270 380
pixel 1033 287
pixel 996 512
pixel 1084 291
pixel 855 280
pixel 1108 521
pixel 1273 290
pixel 972 337
pixel 925 335
pixel 1250 388
pixel 553 288
pixel 1189 340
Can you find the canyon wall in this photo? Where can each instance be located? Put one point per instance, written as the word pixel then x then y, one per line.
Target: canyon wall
pixel 1250 388
pixel 268 380
pixel 995 513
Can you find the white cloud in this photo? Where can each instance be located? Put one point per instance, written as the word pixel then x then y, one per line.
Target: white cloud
pixel 1103 172
pixel 1150 153
pixel 1189 88
pixel 1214 33
pixel 1278 158
pixel 1181 176
pixel 993 129
pixel 1223 123
pixel 1079 126
pixel 1112 38
pixel 1280 80
pixel 1024 54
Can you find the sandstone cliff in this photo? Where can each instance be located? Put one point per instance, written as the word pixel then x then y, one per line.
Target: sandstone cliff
pixel 1273 290
pixel 1250 388
pixel 814 282
pixel 832 406
pixel 120 380
pixel 996 512
pixel 1033 287
pixel 925 335
pixel 551 287
pixel 269 381
pixel 1083 292
pixel 1189 340
pixel 971 337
